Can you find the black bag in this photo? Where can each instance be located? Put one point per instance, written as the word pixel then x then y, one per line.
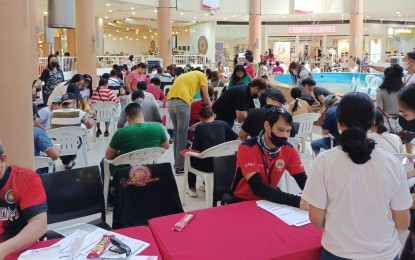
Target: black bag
pixel 394 128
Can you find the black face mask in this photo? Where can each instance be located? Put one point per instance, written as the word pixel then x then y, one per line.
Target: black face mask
pixel 278 141
pixel 54 64
pixel 407 125
pixel 255 96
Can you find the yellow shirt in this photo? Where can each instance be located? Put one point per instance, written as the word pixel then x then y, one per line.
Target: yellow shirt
pixel 187 85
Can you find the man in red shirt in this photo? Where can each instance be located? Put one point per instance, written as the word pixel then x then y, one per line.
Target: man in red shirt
pixel 154 89
pixel 139 74
pixel 262 160
pixel 277 69
pixel 23 207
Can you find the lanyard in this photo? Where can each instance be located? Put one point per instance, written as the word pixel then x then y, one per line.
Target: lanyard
pixel 264 161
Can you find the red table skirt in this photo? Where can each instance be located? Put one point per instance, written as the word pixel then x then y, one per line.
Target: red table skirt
pixel 237 231
pixel 142 233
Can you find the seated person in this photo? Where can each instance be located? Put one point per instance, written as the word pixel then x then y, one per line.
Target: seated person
pixel 209 133
pixel 43 119
pixel 42 143
pixel 154 89
pixel 150 110
pixel 262 160
pixel 195 108
pixel 329 126
pixel 277 69
pixel 385 140
pixel 255 120
pixel 68 115
pixel 298 106
pixel 113 82
pixel 23 206
pixel 317 93
pixel 236 101
pixel 142 85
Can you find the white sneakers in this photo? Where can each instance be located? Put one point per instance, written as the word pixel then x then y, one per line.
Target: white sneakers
pixel 191 193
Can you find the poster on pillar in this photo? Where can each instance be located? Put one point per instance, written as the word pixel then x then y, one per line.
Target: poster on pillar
pixel 282 51
pixel 210 4
pixel 303 6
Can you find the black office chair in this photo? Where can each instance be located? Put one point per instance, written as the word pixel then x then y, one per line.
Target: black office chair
pixel 224 168
pixel 74 194
pixel 147 192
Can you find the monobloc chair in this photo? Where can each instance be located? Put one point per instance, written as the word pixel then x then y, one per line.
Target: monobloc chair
pixel 43 162
pixel 227 148
pixel 224 168
pixel 143 193
pixel 74 194
pixel 142 156
pixel 105 112
pixel 167 89
pixel 305 129
pixel 164 112
pixel 68 138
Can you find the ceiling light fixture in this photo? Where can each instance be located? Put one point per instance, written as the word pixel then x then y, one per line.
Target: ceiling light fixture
pixel 233 16
pixel 106 17
pixel 45 13
pixel 132 8
pixel 109 35
pixel 155 11
pixel 398 12
pixel 133 12
pixel 118 31
pixel 108 4
pixel 110 11
pixel 284 16
pixel 128 29
pixel 181 13
pixel 194 17
pixel 155 34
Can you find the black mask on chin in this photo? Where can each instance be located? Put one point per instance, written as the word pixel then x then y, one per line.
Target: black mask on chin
pixel 278 141
pixel 407 125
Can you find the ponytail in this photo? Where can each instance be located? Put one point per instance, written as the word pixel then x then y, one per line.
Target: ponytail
pixel 353 141
pixel 295 107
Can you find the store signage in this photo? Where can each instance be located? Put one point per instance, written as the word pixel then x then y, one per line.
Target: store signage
pixel 401 32
pixel 321 29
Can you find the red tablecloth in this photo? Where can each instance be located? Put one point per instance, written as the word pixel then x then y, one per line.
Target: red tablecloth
pixel 142 233
pixel 237 231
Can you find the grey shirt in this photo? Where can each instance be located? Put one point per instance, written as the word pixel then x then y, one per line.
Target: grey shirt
pixel 151 112
pixel 387 101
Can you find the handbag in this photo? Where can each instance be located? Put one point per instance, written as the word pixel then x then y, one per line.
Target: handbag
pixel 395 128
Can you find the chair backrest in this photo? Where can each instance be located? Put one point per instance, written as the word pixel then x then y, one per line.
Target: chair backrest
pixel 149 192
pixel 67 138
pixel 224 168
pixel 105 111
pixel 73 194
pixel 227 148
pixel 142 156
pixel 43 162
pixel 159 103
pixel 306 123
pixel 167 89
pixel 165 117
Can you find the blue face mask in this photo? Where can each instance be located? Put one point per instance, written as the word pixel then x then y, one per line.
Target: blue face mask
pixel 295 72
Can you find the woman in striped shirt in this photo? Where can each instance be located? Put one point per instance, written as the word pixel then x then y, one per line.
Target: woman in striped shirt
pixel 103 94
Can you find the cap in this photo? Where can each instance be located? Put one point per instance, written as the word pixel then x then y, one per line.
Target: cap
pixel 35 110
pixel 68 97
pixel 329 99
pixel 277 96
pixel 58 99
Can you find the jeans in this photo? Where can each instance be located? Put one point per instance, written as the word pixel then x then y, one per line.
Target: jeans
pixel 180 116
pixel 324 143
pixel 326 255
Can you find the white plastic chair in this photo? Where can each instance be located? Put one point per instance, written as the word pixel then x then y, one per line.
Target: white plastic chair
pixel 67 138
pixel 159 103
pixel 105 112
pixel 237 127
pixel 43 162
pixel 142 156
pixel 305 129
pixel 228 148
pixel 164 112
pixel 167 88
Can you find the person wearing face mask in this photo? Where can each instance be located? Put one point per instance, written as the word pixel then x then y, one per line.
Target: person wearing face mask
pixel 406 107
pixel 51 76
pixel 262 160
pixel 239 76
pixel 23 206
pixel 236 102
pixel 298 73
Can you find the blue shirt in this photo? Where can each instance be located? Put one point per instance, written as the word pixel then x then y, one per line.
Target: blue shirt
pixel 330 123
pixel 42 141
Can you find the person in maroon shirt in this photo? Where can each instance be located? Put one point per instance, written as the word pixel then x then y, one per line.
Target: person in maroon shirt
pixel 154 89
pixel 278 69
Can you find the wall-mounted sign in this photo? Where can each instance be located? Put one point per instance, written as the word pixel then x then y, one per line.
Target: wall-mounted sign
pixel 401 32
pixel 210 4
pixel 319 29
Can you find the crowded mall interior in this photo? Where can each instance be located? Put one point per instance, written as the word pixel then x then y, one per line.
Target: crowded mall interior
pixel 175 129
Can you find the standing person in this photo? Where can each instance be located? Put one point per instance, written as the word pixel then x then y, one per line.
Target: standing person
pixel 103 94
pixel 23 196
pixel 409 65
pixel 139 74
pixel 180 98
pixel 221 72
pixel 298 73
pixel 239 76
pixel 51 76
pixel 130 62
pixel 208 133
pixel 406 106
pixel 362 187
pixel 236 102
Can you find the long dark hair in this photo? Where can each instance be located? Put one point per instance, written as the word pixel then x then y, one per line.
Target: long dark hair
pixel 237 68
pixel 57 60
pixel 74 88
pixel 88 78
pixel 407 96
pixel 380 122
pixel 356 111
pixel 296 94
pixel 393 79
pixel 75 78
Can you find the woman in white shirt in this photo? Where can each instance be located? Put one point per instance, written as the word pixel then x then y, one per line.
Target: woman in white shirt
pixel 358 193
pixel 385 140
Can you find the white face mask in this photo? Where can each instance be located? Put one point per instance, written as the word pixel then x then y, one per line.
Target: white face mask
pixel 405 65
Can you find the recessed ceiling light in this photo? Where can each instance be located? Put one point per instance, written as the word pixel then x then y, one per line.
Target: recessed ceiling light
pixel 368 16
pixel 110 11
pixel 152 36
pixel 133 12
pixel 109 35
pixel 194 31
pixel 181 13
pixel 172 21
pixel 193 21
pixel 399 15
pixel 185 30
pixel 224 18
pixel 233 16
pixel 120 38
pixel 132 8
pixel 284 16
pixel 206 14
pixel 155 33
pixel 398 12
pixel 308 19
pixel 381 19
pixel 108 4
pixel 194 17
pixel 106 17
pixel 246 19
pixel 313 15
pixel 45 12
pixel 114 38
pixel 136 39
pixel 104 36
pixel 149 30
pixel 155 11
pixel 118 31
pixel 400 20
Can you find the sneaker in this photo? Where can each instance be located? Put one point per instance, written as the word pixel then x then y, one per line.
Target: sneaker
pixel 99 133
pixel 191 193
pixel 106 134
pixel 201 187
pixel 179 171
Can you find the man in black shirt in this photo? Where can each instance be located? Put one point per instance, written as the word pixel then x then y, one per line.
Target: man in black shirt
pixel 236 102
pixel 317 93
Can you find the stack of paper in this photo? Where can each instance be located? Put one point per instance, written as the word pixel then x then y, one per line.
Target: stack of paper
pixel 80 243
pixel 290 215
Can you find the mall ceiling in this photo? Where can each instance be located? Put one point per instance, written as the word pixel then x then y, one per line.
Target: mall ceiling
pixel 139 16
